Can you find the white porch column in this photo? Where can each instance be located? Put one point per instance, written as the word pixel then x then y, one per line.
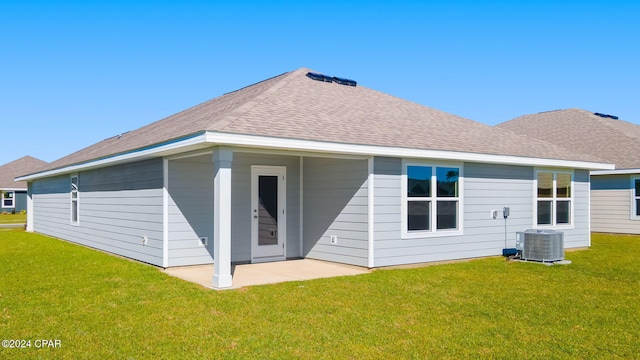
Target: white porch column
pixel 222 159
pixel 29 207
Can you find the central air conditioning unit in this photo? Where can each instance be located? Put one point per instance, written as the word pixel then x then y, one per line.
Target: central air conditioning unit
pixel 541 245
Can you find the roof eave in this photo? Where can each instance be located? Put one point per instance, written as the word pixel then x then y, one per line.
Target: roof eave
pixel 616 172
pixel 375 150
pixel 210 138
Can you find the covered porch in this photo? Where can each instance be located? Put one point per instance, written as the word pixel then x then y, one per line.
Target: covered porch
pixel 232 205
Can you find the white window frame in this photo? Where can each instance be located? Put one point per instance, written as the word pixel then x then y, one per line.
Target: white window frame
pixel 634 196
pixel 433 231
pixel 76 199
pixel 13 199
pixel 554 199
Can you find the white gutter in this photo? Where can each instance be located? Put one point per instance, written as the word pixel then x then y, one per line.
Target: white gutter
pixel 356 149
pixel 217 138
pixel 616 172
pixel 160 150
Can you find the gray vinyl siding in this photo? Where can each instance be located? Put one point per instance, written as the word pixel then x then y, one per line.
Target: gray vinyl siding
pixel 486 187
pixel 21 201
pixel 611 207
pixel 241 203
pixel 190 209
pixel 387 227
pixel 118 206
pixel 335 203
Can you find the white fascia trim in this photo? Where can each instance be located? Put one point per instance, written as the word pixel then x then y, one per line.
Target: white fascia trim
pixel 368 150
pixel 218 138
pixel 12 189
pixel 615 172
pixel 168 148
pixel 370 213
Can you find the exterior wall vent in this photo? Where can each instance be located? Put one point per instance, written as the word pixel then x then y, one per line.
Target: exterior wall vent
pixel 606 116
pixel 541 245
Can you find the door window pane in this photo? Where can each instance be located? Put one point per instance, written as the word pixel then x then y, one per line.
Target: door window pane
pixel 563 212
pixel 419 181
pixel 418 214
pixel 447 181
pixel 545 185
pixel 268 210
pixel 563 185
pixel 447 216
pixel 544 212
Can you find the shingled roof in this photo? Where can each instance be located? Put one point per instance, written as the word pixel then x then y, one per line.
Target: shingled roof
pixel 615 141
pixel 293 106
pixel 24 165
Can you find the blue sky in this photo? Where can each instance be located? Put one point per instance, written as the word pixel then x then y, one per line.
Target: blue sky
pixel 75 72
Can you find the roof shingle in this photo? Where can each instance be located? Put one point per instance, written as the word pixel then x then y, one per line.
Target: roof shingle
pixel 294 106
pixel 615 141
pixel 24 165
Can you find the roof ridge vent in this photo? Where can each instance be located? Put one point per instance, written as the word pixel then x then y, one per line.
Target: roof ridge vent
pixel 327 78
pixel 319 77
pixel 606 116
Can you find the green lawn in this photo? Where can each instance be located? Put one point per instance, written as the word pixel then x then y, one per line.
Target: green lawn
pixel 101 306
pixel 13 218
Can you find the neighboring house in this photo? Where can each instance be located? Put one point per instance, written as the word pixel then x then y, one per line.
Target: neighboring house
pixel 305 165
pixel 615 194
pixel 13 194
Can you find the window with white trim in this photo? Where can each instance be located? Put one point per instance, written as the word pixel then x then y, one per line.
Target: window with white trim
pixel 74 197
pixel 9 199
pixel 554 198
pixel 431 196
pixel 635 189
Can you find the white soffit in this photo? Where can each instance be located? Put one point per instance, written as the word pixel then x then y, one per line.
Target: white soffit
pixel 207 139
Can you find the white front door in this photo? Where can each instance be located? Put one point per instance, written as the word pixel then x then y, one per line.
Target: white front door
pixel 268 217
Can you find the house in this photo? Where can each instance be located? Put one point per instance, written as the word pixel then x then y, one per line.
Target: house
pixel 305 165
pixel 615 194
pixel 13 195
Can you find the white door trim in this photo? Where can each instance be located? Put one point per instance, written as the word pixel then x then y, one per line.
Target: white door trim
pixel 276 252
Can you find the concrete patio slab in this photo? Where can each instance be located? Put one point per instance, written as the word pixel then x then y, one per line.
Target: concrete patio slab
pixel 268 273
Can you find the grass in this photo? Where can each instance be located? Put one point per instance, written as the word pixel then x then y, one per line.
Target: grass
pixel 13 218
pixel 100 306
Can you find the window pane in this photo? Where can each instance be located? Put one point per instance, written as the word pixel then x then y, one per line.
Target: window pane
pixel 8 203
pixel 637 207
pixel 418 214
pixel 563 212
pixel 447 216
pixel 563 185
pixel 544 212
pixel 545 185
pixel 447 181
pixel 637 185
pixel 74 211
pixel 418 181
